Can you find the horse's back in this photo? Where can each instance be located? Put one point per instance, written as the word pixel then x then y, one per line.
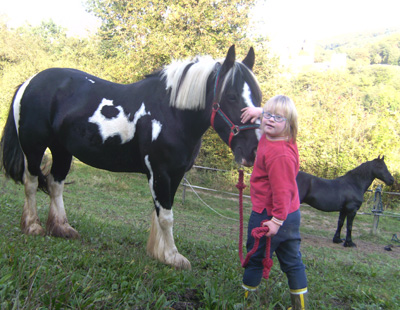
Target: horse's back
pixel 74 111
pixel 104 124
pixel 322 194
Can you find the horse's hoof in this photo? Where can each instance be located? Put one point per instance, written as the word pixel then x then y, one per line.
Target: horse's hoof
pixel 63 231
pixel 349 244
pixel 337 240
pixel 34 230
pixel 179 262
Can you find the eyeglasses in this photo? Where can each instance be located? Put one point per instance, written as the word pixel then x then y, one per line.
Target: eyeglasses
pixel 277 118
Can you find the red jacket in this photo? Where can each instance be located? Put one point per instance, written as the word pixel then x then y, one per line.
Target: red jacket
pixel 273 181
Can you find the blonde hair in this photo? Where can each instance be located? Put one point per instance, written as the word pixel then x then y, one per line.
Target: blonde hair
pixel 284 106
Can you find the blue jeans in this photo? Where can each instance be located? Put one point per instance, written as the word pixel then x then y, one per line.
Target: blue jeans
pixel 285 244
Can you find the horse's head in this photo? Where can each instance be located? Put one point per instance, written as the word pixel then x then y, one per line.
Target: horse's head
pixel 236 88
pixel 381 172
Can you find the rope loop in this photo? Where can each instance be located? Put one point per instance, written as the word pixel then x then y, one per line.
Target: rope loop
pixel 259 232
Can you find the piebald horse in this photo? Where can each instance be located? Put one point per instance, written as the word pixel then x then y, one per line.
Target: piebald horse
pixel 153 127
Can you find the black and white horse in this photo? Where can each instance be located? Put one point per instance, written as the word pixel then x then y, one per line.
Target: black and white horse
pixel 344 194
pixel 153 127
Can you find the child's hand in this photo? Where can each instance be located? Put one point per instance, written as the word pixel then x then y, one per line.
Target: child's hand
pixel 250 113
pixel 273 228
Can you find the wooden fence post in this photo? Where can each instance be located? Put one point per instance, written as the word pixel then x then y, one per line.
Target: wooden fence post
pixel 377 209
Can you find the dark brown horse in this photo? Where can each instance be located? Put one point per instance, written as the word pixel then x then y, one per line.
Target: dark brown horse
pixel 344 194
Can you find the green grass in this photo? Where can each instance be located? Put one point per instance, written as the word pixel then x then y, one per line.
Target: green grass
pixel 107 268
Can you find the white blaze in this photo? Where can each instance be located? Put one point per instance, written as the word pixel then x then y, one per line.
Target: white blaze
pixel 246 94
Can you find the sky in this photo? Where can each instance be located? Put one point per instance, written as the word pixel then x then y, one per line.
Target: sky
pixel 290 20
pixel 282 20
pixel 69 14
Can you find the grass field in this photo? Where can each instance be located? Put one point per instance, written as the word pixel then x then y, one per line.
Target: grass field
pixel 107 268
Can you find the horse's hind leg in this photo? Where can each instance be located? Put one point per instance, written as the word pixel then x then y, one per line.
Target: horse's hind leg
pixel 30 223
pixel 350 218
pixel 336 237
pixel 57 222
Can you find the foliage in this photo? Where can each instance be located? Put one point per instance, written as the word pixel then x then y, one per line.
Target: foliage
pixel 134 33
pixel 366 48
pixel 27 50
pixel 342 126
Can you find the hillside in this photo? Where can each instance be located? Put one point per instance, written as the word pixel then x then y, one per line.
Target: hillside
pixel 375 47
pixel 356 40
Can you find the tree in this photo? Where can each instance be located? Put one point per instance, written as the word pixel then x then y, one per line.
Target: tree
pixel 138 32
pixel 386 51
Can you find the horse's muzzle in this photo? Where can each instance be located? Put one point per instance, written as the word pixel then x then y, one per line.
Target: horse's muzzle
pixel 246 163
pixel 390 181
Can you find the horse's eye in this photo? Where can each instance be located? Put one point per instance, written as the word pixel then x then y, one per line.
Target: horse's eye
pixel 232 97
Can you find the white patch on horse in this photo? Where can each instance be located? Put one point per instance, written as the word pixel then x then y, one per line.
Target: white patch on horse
pixel 90 80
pixel 17 102
pixel 246 94
pixel 119 125
pixel 151 181
pixel 156 129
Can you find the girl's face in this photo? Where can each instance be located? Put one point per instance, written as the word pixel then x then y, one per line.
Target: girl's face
pixel 273 125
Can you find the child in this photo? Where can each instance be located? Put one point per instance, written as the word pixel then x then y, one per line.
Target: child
pixel 274 196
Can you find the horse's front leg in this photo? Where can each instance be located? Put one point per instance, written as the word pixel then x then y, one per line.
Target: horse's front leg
pixel 57 223
pixel 350 218
pixel 336 237
pixel 161 244
pixel 30 223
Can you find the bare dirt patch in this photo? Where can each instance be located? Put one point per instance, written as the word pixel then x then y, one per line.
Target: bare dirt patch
pixel 363 247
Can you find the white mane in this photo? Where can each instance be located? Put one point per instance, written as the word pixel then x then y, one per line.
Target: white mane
pixel 189 94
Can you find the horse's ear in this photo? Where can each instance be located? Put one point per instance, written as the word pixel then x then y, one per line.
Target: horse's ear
pixel 250 58
pixel 229 60
pixel 383 157
pixel 379 156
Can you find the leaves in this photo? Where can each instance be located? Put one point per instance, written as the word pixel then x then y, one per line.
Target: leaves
pixel 155 32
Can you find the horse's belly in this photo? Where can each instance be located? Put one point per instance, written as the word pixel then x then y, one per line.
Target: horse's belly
pixel 117 158
pixel 325 201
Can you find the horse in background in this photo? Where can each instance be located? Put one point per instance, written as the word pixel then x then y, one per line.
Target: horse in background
pixel 344 194
pixel 152 127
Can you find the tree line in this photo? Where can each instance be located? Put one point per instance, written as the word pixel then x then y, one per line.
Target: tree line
pixel 346 116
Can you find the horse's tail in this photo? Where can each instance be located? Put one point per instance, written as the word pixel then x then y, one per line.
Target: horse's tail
pixel 12 157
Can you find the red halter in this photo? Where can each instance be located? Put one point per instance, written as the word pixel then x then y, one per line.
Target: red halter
pixel 235 129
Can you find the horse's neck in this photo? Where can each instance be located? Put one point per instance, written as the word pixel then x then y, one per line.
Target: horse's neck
pixel 362 176
pixel 200 120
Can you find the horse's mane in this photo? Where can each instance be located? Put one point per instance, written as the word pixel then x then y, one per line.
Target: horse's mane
pixel 187 80
pixel 362 170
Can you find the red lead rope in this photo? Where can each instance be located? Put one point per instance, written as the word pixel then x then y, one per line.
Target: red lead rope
pixel 257 233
